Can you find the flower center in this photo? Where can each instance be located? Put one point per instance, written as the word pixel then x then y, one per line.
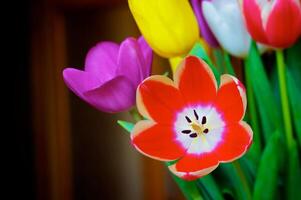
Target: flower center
pixel 197 129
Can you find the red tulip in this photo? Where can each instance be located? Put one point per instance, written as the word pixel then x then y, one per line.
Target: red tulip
pixel 276 23
pixel 191 120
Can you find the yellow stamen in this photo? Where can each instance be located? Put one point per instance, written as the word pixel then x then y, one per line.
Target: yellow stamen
pixel 196 127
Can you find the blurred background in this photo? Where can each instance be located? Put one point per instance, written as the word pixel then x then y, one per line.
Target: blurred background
pixel 63 148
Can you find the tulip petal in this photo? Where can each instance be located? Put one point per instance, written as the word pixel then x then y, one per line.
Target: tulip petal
pixel 204 28
pixel 192 166
pixel 231 99
pixel 156 141
pixel 226 22
pixel 116 95
pixel 169 28
pixel 101 60
pixel 254 21
pixel 174 63
pixel 148 56
pixel 236 140
pixel 196 81
pixel 130 61
pixel 159 99
pixel 79 81
pixel 284 23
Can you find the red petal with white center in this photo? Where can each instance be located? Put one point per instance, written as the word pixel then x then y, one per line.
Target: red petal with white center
pixel 231 99
pixel 193 166
pixel 284 23
pixel 156 141
pixel 196 81
pixel 252 15
pixel 236 140
pixel 158 99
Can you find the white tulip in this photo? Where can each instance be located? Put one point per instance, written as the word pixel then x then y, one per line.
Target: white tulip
pixel 225 20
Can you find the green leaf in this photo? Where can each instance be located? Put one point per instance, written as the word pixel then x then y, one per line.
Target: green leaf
pixel 199 52
pixel 269 167
pixel 294 98
pixel 237 178
pixel 249 168
pixel 293 61
pixel 227 193
pixel 270 116
pixel 188 188
pixel 128 126
pixel 209 188
pixel 255 150
pixel 294 173
pixel 275 84
pixel 228 64
pixel 219 59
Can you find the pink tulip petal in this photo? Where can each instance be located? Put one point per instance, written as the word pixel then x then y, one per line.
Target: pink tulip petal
pixel 79 81
pixel 115 95
pixel 112 74
pixel 101 60
pixel 252 14
pixel 148 56
pixel 130 61
pixel 206 33
pixel 284 24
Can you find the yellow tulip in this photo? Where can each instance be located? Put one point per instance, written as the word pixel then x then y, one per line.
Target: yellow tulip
pixel 175 61
pixel 168 26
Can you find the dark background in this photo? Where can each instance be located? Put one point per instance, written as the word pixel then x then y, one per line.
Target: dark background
pixel 21 157
pixel 59 147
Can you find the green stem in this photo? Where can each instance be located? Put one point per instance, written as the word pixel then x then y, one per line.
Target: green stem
pixel 252 109
pixel 188 188
pixel 284 97
pixel 219 60
pixel 243 180
pixel 209 188
pixel 135 114
pixel 228 64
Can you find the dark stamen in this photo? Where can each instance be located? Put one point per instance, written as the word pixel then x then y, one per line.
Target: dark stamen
pixel 188 120
pixel 196 115
pixel 204 119
pixel 206 130
pixel 193 135
pixel 186 131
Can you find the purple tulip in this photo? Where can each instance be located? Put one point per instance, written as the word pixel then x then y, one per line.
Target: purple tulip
pixel 204 28
pixel 112 74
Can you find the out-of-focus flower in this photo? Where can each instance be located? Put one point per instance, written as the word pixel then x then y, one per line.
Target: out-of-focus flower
pixel 168 26
pixel 206 33
pixel 112 74
pixel 276 23
pixel 175 61
pixel 191 121
pixel 225 20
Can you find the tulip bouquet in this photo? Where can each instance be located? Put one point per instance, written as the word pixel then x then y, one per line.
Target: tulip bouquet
pixel 198 122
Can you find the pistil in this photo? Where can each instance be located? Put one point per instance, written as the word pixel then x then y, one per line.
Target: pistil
pixel 197 129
